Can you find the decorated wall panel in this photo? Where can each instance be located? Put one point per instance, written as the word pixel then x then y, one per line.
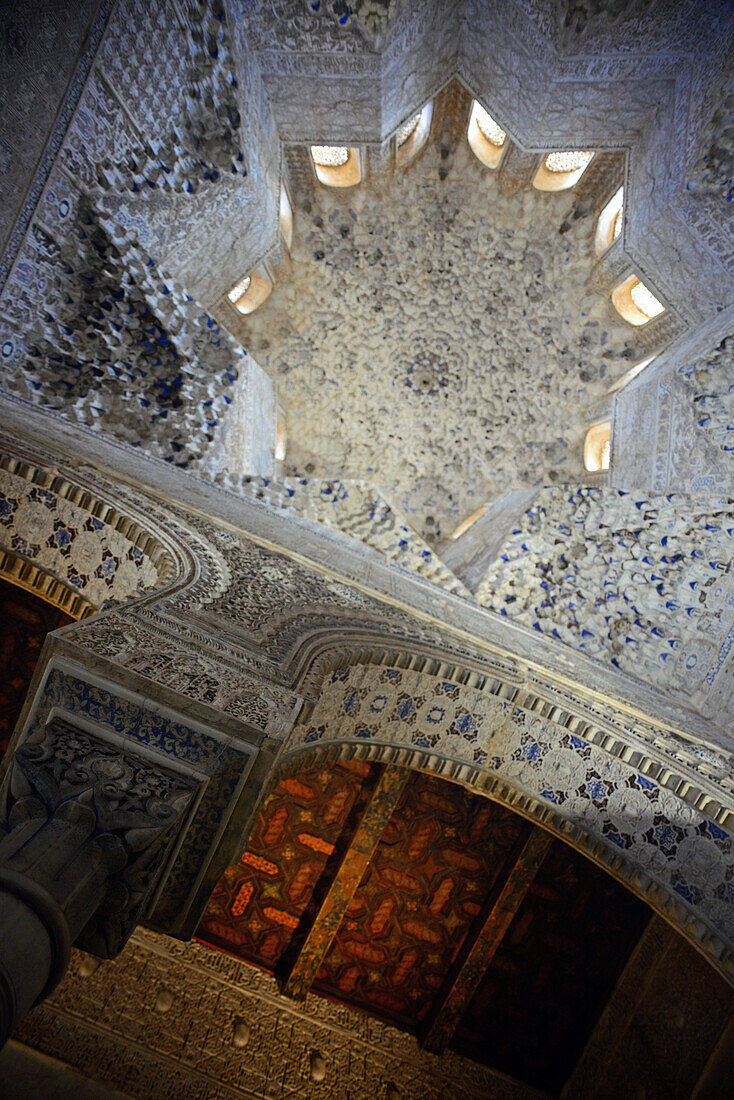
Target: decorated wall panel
pixel 214 765
pixel 86 545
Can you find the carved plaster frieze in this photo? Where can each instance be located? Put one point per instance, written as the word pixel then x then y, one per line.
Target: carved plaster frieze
pixel 655 831
pixel 229 1033
pixel 169 652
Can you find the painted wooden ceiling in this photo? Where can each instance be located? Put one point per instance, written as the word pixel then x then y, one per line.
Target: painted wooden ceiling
pixel 447 915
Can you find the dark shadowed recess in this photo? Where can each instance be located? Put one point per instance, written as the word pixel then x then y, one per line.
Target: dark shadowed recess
pixel 25 620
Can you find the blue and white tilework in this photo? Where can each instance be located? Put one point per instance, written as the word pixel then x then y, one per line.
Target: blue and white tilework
pixel 72 544
pixel 645 824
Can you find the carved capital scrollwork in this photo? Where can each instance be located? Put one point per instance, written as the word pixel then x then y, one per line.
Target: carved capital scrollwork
pixel 85 827
pixel 125 806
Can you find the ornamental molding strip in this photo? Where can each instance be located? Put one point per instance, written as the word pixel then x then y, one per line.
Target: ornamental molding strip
pixel 24 574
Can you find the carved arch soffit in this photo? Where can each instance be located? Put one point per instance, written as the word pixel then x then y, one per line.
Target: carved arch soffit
pixel 707 925
pixel 620 728
pixel 650 806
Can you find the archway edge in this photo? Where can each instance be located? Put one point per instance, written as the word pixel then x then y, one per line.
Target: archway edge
pixel 24 574
pixel 714 948
pixel 147 530
pixel 696 771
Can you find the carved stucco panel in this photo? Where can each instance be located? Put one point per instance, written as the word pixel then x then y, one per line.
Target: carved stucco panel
pixel 176 659
pixel 189 1050
pixel 643 823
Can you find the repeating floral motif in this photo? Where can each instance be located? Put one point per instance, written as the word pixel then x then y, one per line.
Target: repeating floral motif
pixel 71 543
pixel 277 601
pixel 646 823
pixel 408 708
pixel 643 582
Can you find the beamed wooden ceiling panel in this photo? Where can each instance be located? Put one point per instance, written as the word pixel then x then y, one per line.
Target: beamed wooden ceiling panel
pixel 439 857
pixel 553 971
pixel 455 901
pixel 260 900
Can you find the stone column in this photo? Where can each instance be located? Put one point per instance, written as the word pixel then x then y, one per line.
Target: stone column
pixel 85 827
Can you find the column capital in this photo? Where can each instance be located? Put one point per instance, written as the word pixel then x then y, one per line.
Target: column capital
pixel 86 826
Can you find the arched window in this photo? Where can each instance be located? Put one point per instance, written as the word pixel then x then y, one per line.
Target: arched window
pixel 609 226
pixel 251 291
pixel 336 165
pixel 636 302
pixel 562 170
pixel 412 135
pixel 638 368
pixel 597 447
pixel 487 140
pixel 286 218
